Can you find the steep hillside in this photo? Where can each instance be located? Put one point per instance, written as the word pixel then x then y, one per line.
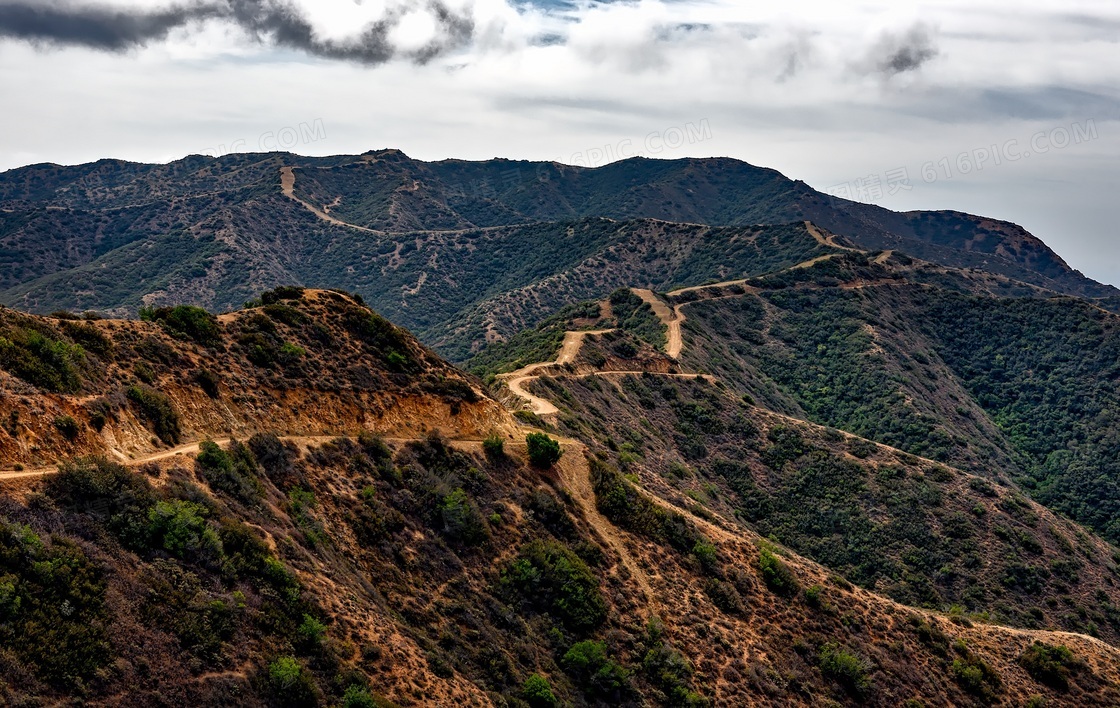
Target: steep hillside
pixel 308 363
pixel 917 531
pixel 455 289
pixel 388 191
pixel 312 562
pixel 112 235
pixel 937 363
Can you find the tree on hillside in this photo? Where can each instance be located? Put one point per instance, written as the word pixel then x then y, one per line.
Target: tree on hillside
pixel 544 452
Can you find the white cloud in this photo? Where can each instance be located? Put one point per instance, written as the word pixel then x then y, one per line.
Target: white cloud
pixel 797 85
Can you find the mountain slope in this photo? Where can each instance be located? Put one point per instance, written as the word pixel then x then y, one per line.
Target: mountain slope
pixel 299 568
pixel 389 191
pixel 112 235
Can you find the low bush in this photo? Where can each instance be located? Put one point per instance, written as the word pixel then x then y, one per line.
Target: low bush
pixel 186 322
pixel 707 556
pixel 233 472
pixel 846 668
pixel 974 674
pixel 537 692
pixel 156 409
pixel 67 426
pixel 671 672
pixel 52 607
pixel 209 382
pixel 283 292
pixel 544 452
pixel 776 574
pixel 41 360
pixel 180 528
pixel 291 684
pixel 1051 665
pixel 494 446
pixel 89 338
pixel 625 505
pixel 462 521
pixel 595 672
pixel 552 578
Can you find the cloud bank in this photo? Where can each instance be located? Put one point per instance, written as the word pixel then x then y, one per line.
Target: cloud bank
pixel 273 22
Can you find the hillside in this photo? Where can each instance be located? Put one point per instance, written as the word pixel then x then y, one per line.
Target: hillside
pixel 339 552
pixel 388 191
pixel 460 252
pixel 904 524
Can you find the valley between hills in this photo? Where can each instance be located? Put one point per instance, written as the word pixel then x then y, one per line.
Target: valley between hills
pixel 709 439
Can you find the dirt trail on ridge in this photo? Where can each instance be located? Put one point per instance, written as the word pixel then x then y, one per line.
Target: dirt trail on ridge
pixel 672 320
pixel 288 187
pixel 575 474
pixel 569 350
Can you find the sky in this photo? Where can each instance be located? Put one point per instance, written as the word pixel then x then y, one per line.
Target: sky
pixel 1009 110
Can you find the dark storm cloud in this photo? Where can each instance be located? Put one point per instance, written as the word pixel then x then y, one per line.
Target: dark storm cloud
pixel 274 22
pixel 902 53
pixel 95 27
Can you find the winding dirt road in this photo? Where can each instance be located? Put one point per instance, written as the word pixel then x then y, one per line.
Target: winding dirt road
pixel 569 350
pixel 575 474
pixel 825 240
pixel 672 320
pixel 191 449
pixel 288 187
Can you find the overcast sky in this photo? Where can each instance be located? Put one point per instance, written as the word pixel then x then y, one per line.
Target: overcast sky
pixel 1010 110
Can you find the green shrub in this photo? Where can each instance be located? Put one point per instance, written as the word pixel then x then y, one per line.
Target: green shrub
pixel 181 528
pixel 462 521
pixel 814 597
pixel 292 685
pixel 861 448
pixel 544 452
pixel 67 426
pixel 290 353
pixel 974 674
pixel 41 360
pixel 381 336
pixel 538 693
pixel 671 672
pixel 931 635
pixel 187 322
pixel 625 505
pixel 311 633
pixel 89 338
pixel 707 555
pixel 144 372
pixel 494 446
pixel 1051 665
pixel 283 292
pixel 847 669
pixel 233 472
pixel 52 607
pixel 551 577
pixel 109 492
pixel 776 574
pixel 358 696
pixel 595 671
pixel 301 502
pixel 158 411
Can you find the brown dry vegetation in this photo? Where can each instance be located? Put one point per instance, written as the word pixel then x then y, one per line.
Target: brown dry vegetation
pixel 419 562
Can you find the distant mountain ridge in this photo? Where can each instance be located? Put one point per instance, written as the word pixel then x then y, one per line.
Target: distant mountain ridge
pixel 113 235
